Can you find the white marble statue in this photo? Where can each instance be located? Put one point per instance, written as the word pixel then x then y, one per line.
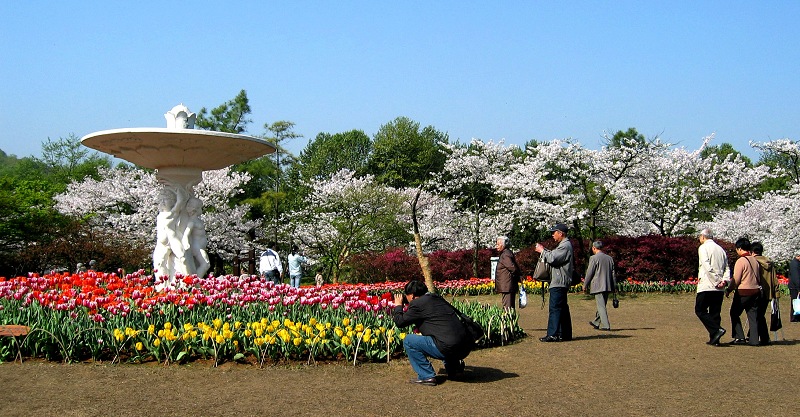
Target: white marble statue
pixel 194 236
pixel 169 256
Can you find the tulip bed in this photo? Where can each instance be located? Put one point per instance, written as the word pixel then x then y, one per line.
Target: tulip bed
pixel 98 316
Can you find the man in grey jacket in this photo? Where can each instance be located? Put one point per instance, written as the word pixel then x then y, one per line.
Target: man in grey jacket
pixel 600 281
pixel 561 259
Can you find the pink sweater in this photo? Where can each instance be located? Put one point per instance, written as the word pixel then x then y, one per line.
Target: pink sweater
pixel 745 273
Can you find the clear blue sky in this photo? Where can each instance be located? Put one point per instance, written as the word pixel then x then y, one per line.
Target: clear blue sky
pixel 490 70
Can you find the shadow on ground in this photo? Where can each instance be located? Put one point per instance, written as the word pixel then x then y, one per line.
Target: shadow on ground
pixel 480 374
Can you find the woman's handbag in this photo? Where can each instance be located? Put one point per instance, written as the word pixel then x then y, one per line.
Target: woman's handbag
pixel 615 301
pixel 775 317
pixel 796 305
pixel 523 297
pixel 542 271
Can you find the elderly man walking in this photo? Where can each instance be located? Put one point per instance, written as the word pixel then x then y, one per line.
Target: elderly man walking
pixel 600 281
pixel 507 274
pixel 712 278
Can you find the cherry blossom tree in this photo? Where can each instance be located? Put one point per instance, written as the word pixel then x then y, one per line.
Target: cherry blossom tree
pixel 124 202
pixel 538 187
pixel 471 178
pixel 774 220
pixel 785 154
pixel 675 189
pixel 346 215
pixel 561 181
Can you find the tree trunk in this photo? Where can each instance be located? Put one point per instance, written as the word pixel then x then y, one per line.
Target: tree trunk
pixel 423 260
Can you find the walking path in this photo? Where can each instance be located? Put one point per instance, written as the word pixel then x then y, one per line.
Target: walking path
pixel 654 362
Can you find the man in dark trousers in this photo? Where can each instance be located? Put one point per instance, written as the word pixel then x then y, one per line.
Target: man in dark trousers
pixel 439 333
pixel 794 285
pixel 562 261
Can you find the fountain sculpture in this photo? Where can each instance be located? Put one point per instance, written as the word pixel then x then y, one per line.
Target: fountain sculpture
pixel 179 154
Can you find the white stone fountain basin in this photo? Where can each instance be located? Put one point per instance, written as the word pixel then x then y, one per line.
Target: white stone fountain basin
pixel 159 148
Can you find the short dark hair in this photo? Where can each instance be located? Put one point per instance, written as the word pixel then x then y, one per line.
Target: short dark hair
pixel 757 248
pixel 417 288
pixel 743 243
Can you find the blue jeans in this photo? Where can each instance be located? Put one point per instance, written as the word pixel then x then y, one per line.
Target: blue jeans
pixel 559 322
pixel 272 276
pixel 417 348
pixel 295 280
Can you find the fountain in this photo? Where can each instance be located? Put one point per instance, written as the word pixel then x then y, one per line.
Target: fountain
pixel 179 154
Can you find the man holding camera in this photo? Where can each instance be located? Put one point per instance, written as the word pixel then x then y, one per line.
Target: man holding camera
pixel 438 334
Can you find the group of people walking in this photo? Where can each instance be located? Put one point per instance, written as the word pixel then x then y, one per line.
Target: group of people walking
pixel 440 332
pixel 753 283
pixel 600 281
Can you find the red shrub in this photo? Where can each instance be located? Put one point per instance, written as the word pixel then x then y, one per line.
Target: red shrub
pixel 645 258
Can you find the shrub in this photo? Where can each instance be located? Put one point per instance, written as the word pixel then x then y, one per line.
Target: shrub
pixel 644 258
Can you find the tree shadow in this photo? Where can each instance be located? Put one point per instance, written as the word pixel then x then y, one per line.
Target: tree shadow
pixel 479 375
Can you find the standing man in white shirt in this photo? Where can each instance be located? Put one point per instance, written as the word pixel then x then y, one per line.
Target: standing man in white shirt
pixel 269 265
pixel 712 278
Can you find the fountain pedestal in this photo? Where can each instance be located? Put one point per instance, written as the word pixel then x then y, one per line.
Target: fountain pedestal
pixel 179 154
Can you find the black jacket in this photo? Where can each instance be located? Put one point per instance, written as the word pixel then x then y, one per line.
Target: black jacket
pixel 435 317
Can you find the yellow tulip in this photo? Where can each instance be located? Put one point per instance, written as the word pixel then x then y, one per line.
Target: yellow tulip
pixel 139 346
pixel 217 323
pixel 345 321
pixel 312 322
pixel 157 342
pixel 151 329
pixel 167 326
pixel 346 341
pixel 297 341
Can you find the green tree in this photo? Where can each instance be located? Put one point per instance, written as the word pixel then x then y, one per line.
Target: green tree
pixel 27 220
pixel 404 155
pixel 66 160
pixel 282 131
pixel 322 157
pixel 231 116
pixel 326 154
pixel 724 151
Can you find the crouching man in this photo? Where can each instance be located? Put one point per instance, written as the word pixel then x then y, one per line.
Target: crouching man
pixel 439 333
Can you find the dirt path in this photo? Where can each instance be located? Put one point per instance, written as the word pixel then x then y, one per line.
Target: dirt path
pixel 654 362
